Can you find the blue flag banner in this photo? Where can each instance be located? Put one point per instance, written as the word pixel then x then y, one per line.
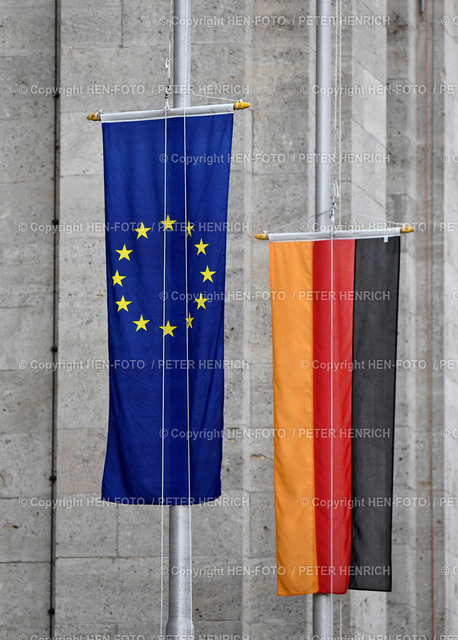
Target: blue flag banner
pixel 166 191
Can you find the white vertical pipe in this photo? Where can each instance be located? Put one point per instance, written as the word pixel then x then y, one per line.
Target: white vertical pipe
pixel 180 535
pixel 180 593
pixel 323 111
pixel 322 616
pixel 182 53
pixel 322 602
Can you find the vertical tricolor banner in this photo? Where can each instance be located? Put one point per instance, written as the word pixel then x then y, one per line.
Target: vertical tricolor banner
pixel 166 191
pixel 334 328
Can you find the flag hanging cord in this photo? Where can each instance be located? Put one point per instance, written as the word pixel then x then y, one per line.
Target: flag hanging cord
pixel 166 110
pixel 335 198
pixel 331 406
pixel 162 571
pixel 186 231
pixel 428 166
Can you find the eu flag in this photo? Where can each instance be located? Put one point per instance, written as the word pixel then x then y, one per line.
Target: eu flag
pixel 166 191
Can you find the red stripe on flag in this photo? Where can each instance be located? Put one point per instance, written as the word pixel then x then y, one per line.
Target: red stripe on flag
pixel 333 302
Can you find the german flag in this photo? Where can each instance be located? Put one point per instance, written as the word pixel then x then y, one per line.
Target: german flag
pixel 334 328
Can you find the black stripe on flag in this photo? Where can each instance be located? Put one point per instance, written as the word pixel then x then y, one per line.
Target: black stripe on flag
pixel 373 401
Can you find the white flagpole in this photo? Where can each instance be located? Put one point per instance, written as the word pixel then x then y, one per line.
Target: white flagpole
pixel 323 112
pixel 180 534
pixel 322 602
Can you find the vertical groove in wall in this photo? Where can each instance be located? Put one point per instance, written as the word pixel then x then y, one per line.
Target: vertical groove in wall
pixel 122 23
pixel 246 415
pixel 430 321
pixel 55 355
pixel 429 140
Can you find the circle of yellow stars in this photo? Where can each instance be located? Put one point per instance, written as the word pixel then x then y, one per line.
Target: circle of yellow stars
pixel 124 254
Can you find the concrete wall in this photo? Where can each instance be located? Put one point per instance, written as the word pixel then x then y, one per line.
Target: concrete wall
pixel 98 565
pixel 26 315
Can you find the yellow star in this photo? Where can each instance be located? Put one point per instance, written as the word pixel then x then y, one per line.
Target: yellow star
pixel 141 231
pixel 168 329
pixel 201 247
pixel 189 321
pixel 207 274
pixel 117 279
pixel 122 304
pixel 141 324
pixel 124 252
pixel 189 228
pixel 201 301
pixel 168 224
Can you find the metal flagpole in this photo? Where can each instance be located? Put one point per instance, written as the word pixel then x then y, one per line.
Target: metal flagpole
pixel 180 539
pixel 322 602
pixel 323 111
